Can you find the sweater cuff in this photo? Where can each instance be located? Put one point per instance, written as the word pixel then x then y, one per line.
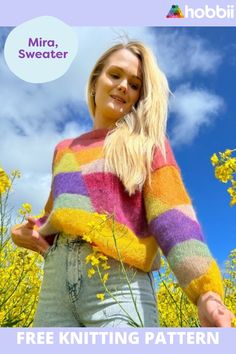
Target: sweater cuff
pixel 210 281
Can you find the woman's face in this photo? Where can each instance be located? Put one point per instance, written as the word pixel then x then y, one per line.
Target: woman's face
pixel 118 87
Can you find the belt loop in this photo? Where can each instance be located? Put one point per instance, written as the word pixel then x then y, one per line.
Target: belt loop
pixel 54 245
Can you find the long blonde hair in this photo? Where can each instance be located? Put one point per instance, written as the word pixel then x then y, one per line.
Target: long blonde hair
pixel 129 147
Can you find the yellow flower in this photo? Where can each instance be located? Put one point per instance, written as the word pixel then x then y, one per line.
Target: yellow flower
pixel 105 278
pixel 231 191
pixel 91 272
pixel 2 315
pixel 214 159
pixel 105 266
pixel 94 260
pixel 88 258
pixel 233 201
pixel 5 182
pixel 100 296
pixel 233 322
pixel 223 173
pixel 3 230
pixel 26 209
pixel 228 152
pixel 103 257
pixel 20 281
pixel 16 173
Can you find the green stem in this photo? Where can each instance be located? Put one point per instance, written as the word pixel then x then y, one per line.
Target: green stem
pixel 168 291
pixel 114 298
pixel 125 273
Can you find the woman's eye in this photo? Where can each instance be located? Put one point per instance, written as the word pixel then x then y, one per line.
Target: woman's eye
pixel 134 86
pixel 115 76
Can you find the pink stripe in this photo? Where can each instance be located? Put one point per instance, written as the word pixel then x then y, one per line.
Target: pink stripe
pixel 80 146
pixel 158 159
pixel 107 194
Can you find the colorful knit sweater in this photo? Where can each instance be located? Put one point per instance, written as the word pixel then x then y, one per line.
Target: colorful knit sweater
pixel 88 202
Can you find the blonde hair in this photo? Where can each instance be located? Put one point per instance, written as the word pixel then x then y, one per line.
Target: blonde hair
pixel 129 147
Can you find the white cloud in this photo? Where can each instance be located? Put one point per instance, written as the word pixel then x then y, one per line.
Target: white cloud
pixel 194 109
pixel 31 188
pixel 33 118
pixel 181 55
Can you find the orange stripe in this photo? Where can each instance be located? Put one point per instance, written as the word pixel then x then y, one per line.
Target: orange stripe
pixel 167 186
pixel 89 155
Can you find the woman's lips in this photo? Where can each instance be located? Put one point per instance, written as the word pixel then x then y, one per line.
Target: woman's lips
pixel 118 99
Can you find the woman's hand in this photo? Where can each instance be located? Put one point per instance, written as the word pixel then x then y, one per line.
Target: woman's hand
pixel 25 236
pixel 212 312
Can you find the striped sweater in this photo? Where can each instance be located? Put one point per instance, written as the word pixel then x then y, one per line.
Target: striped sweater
pixel 86 201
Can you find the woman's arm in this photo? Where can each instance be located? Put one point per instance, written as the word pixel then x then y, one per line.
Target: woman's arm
pixel 27 236
pixel 173 222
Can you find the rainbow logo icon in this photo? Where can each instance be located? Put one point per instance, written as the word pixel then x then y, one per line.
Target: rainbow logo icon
pixel 175 12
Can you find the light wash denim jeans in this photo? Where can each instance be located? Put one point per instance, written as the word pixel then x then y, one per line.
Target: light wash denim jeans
pixel 68 296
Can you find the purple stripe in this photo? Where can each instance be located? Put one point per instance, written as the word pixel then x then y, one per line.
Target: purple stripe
pixel 174 227
pixel 71 182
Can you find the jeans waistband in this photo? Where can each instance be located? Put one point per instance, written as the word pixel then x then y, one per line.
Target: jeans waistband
pixel 64 239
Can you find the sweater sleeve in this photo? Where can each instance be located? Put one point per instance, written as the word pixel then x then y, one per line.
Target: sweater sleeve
pixel 42 223
pixel 173 223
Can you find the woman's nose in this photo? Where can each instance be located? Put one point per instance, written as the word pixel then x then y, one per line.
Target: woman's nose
pixel 123 86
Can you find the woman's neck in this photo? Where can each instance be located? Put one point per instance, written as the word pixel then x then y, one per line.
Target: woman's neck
pixel 102 123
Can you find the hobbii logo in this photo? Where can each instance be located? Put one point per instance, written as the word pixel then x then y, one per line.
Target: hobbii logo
pixel 209 12
pixel 205 12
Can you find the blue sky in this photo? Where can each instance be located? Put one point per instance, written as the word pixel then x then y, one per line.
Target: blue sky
pixel 200 64
pixel 209 195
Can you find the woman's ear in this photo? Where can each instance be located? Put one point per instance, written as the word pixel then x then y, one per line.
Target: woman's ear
pixel 93 89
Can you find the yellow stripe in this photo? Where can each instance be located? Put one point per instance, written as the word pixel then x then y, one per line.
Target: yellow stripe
pixel 67 163
pixel 82 157
pixel 154 207
pixel 139 253
pixel 210 281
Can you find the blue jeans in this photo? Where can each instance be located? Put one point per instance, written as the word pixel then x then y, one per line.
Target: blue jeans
pixel 68 296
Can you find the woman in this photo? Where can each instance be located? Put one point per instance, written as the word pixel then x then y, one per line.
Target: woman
pixel 118 190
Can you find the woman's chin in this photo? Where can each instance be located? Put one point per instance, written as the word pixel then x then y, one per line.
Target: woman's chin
pixel 118 108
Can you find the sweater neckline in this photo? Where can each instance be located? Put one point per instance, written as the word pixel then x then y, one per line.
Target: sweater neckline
pixel 95 134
